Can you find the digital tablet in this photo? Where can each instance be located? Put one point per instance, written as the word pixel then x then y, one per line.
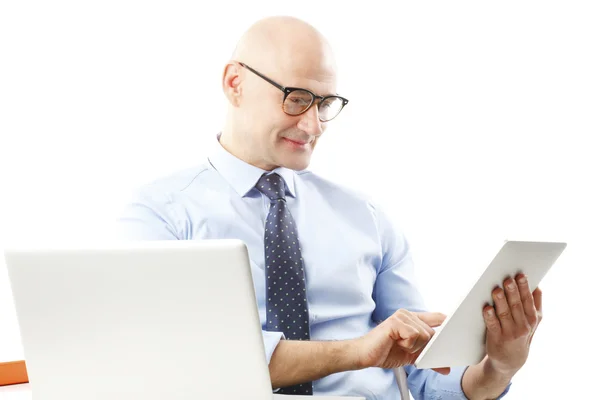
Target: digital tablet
pixel 460 340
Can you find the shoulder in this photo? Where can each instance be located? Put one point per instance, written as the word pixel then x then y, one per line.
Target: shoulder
pixel 156 209
pixel 170 188
pixel 177 181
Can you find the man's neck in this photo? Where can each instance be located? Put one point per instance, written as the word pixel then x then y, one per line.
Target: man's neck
pixel 237 149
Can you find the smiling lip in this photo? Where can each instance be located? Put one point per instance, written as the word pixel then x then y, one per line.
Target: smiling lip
pixel 296 142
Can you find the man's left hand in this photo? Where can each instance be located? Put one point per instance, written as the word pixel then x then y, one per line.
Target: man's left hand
pixel 511 323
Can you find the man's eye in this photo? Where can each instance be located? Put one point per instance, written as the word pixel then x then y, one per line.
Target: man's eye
pixel 298 100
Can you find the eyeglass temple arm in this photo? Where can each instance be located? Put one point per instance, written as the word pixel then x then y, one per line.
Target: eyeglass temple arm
pixel 278 86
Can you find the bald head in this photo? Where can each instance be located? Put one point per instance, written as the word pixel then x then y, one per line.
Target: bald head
pixel 286 45
pixel 258 129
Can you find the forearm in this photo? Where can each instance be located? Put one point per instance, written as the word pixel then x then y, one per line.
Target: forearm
pixel 296 361
pixel 481 381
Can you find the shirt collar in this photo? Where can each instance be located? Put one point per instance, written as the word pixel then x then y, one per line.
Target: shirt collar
pixel 241 175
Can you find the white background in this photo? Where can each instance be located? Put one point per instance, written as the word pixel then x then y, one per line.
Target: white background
pixel 471 122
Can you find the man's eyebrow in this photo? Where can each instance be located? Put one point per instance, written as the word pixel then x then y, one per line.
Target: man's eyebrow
pixel 329 94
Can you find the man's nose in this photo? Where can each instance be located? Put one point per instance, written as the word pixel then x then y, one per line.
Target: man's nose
pixel 310 122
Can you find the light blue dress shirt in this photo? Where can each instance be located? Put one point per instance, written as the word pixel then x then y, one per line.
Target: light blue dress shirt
pixel 358 268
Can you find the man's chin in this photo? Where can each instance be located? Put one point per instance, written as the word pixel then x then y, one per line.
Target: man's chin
pixel 296 165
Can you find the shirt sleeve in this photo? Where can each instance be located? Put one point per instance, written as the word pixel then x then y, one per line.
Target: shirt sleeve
pixel 396 287
pixel 396 284
pixel 150 215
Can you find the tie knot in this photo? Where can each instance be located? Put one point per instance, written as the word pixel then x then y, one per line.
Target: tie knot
pixel 272 186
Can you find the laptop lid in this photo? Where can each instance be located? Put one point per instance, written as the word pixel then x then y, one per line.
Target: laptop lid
pixel 145 320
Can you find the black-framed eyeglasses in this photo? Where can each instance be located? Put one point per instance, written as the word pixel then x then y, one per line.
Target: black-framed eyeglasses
pixel 298 100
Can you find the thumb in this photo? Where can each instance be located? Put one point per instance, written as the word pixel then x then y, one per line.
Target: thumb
pixel 432 319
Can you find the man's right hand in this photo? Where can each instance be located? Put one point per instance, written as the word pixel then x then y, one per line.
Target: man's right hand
pixel 398 340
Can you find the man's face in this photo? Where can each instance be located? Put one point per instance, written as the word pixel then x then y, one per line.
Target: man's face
pixel 277 138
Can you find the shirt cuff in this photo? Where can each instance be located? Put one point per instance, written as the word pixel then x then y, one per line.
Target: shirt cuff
pixel 452 388
pixel 271 340
pixel 460 372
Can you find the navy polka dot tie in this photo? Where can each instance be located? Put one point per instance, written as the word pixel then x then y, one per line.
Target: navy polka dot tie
pixel 287 307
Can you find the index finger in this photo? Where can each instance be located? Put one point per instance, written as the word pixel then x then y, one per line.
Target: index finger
pixel 432 319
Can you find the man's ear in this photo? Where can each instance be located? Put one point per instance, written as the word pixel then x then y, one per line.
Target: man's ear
pixel 232 83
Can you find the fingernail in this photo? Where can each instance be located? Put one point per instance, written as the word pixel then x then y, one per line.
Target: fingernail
pixel 523 279
pixel 510 285
pixel 490 312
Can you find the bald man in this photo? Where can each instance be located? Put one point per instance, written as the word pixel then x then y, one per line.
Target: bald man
pixel 334 279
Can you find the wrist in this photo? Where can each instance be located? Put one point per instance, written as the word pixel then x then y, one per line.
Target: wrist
pixel 485 381
pixel 494 372
pixel 360 354
pixel 348 355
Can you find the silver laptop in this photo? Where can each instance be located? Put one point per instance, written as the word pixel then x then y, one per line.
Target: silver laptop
pixel 145 320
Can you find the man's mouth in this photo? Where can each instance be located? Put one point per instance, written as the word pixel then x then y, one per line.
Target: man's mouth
pixel 296 142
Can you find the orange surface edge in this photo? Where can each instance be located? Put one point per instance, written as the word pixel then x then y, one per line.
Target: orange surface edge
pixel 13 372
